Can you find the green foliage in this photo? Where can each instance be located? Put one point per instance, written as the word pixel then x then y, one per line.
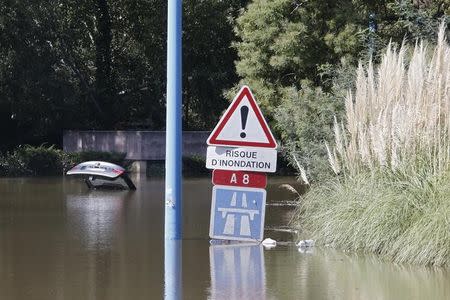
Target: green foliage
pixel 284 42
pixel 413 20
pixel 44 161
pixel 102 65
pixel 194 166
pixel 400 216
pixel 208 66
pixel 12 164
pixel 288 54
pixel 300 57
pixel 304 120
pixel 40 161
pixel 31 161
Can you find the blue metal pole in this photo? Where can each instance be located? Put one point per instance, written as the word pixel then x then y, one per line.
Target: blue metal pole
pixel 172 269
pixel 173 195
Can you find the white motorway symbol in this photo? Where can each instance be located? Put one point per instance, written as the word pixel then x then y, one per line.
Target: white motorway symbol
pixel 229 214
pixel 241 159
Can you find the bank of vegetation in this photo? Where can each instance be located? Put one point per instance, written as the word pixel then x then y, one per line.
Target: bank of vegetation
pixel 391 157
pixel 49 161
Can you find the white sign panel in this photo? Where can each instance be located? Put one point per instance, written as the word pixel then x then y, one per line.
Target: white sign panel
pixel 241 159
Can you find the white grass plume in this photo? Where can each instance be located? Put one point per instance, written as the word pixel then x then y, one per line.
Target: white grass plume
pixel 399 112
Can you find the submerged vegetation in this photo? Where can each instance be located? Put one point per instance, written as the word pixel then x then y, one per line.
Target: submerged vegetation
pixel 391 194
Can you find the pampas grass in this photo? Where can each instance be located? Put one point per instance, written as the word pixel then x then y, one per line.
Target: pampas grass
pixel 398 112
pixel 392 153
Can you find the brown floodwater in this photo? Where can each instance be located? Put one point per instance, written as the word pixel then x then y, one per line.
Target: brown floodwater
pixel 59 240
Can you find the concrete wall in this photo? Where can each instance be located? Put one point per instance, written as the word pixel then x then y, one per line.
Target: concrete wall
pixel 139 145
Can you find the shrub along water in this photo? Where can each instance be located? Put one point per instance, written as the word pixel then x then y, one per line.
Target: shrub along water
pixel 44 161
pixel 391 194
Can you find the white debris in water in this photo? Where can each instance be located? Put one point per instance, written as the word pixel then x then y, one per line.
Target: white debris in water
pixel 306 244
pixel 269 243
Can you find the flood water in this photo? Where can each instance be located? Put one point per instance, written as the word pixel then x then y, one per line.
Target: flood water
pixel 58 240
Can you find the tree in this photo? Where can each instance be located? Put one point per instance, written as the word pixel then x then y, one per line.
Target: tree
pixel 298 57
pixel 101 65
pixel 34 89
pixel 283 42
pixel 208 62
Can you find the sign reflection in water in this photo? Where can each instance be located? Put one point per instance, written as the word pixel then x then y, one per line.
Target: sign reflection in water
pixel 237 271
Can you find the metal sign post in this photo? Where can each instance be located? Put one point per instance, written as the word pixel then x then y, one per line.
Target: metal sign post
pixel 173 193
pixel 173 217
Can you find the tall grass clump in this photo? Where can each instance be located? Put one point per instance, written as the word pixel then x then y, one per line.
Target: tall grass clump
pixel 391 155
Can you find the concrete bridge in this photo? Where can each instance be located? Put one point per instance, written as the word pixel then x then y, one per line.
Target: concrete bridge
pixel 138 145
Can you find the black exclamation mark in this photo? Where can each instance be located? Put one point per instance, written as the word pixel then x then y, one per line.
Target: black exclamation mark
pixel 244 115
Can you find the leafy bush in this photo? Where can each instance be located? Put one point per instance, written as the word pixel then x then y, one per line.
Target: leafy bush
pixel 44 161
pixel 194 166
pixel 40 160
pixel 12 164
pixel 305 120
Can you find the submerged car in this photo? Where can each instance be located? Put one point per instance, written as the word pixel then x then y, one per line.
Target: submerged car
pixel 100 174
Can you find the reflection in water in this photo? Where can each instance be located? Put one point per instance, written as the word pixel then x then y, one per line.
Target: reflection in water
pixel 113 241
pixel 172 269
pixel 59 240
pixel 94 223
pixel 330 274
pixel 95 218
pixel 62 241
pixel 237 271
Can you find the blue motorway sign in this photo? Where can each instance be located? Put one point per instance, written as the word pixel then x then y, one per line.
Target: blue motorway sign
pixel 237 213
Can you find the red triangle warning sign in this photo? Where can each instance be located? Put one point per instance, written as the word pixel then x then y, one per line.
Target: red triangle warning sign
pixel 243 125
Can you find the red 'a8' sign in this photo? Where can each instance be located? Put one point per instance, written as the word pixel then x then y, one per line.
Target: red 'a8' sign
pixel 239 178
